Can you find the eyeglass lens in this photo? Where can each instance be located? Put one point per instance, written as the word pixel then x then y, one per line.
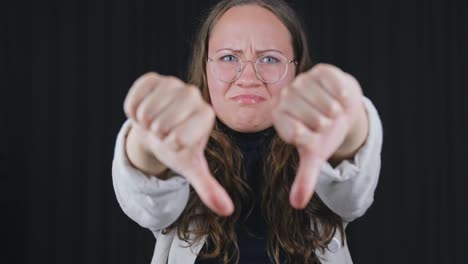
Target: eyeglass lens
pixel 228 68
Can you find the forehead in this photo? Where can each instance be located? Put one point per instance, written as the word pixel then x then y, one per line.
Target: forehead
pixel 247 26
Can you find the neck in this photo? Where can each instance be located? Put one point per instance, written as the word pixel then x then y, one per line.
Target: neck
pixel 247 140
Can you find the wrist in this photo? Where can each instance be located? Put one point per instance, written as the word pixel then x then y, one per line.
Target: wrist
pixel 141 157
pixel 355 138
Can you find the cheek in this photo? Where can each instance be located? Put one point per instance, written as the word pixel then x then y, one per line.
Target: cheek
pixel 217 92
pixel 277 87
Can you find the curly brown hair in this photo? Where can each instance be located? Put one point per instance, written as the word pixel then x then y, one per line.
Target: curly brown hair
pixel 296 233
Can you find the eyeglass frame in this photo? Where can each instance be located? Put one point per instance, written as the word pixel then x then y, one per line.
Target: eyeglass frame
pixel 244 64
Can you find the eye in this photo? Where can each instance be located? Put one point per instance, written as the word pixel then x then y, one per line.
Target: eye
pixel 229 58
pixel 269 60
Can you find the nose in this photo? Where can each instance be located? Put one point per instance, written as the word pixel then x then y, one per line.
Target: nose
pixel 248 76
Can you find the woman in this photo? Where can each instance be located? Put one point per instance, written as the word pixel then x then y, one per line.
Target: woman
pixel 260 158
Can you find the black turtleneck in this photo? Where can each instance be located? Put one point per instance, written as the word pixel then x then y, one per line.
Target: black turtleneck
pixel 252 235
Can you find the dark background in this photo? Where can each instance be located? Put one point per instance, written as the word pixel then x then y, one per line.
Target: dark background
pixel 66 67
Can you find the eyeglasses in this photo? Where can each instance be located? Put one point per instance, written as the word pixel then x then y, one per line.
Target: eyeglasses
pixel 268 68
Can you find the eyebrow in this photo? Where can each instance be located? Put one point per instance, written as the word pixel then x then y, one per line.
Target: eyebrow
pixel 240 51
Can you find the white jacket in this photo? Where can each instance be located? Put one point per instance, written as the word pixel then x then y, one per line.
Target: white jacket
pixel 348 190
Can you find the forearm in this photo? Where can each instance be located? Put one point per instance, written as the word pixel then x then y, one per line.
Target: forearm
pixel 150 201
pixel 141 158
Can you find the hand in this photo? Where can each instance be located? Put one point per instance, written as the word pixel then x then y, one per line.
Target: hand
pixel 316 112
pixel 174 124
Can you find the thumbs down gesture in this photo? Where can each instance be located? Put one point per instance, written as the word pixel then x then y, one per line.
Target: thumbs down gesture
pixel 321 112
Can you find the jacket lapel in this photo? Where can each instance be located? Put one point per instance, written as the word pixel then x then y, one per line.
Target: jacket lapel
pixel 181 252
pixel 162 248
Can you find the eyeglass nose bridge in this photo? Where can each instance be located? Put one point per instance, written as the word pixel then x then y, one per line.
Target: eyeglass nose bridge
pixel 242 67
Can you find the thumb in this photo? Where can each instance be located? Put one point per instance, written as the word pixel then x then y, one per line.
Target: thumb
pixel 306 178
pixel 212 194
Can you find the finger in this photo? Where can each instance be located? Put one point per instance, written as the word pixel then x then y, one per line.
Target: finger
pixel 334 81
pixel 315 94
pixel 139 90
pixel 162 96
pixel 193 131
pixel 291 130
pixel 139 129
pixel 301 110
pixel 208 188
pixel 305 180
pixel 185 104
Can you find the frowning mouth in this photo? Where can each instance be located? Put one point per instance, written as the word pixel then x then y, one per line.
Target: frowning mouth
pixel 248 99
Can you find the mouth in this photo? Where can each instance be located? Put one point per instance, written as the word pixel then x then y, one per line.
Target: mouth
pixel 248 99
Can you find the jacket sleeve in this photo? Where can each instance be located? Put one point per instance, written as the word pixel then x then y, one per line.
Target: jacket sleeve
pixel 151 202
pixel 348 189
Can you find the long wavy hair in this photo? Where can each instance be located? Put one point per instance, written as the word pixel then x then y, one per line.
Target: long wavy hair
pixel 294 234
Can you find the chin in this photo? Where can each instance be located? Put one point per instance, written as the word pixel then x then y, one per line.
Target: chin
pixel 248 125
pixel 245 119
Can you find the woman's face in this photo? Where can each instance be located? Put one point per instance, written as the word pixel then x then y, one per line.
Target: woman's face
pixel 248 32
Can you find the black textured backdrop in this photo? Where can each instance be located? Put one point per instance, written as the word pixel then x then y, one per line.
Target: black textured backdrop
pixel 66 67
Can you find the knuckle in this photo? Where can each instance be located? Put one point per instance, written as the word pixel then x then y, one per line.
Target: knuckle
pixel 129 106
pixel 284 93
pixel 282 104
pixel 354 83
pixel 333 108
pixel 297 133
pixel 195 89
pixel 297 86
pixel 317 70
pixel 321 68
pixel 146 79
pixel 155 126
pixel 341 88
pixel 176 140
pixel 175 136
pixel 210 112
pixel 151 76
pixel 143 116
pixel 300 82
pixel 136 92
pixel 322 123
pixel 207 113
pixel 192 93
pixel 174 81
pixel 161 127
pixel 321 72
